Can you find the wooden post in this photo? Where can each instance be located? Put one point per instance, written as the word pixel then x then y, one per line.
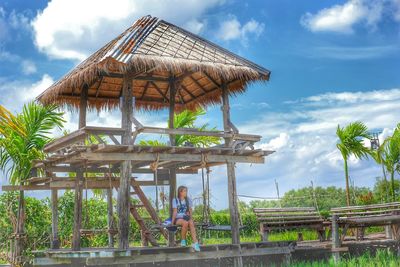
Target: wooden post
pixel 76 235
pixel 233 205
pixel 83 106
pixel 110 218
pixel 172 170
pixel 19 231
pixel 123 192
pixel 335 238
pixel 55 242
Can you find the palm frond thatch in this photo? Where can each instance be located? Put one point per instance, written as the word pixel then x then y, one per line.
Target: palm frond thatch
pixel 152 51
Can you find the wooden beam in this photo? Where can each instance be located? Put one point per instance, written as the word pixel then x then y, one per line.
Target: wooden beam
pixel 211 79
pixel 172 171
pixel 68 184
pixel 110 217
pixel 191 131
pixel 77 225
pixel 123 192
pixel 98 87
pixel 145 89
pixel 55 242
pixel 83 106
pixel 185 74
pixel 114 169
pixel 187 91
pixel 64 141
pixel 148 156
pixel 210 91
pixel 159 91
pixel 198 84
pixel 232 194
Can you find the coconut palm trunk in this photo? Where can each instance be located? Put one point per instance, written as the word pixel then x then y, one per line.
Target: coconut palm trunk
pixel 346 171
pixel 392 185
pixel 351 143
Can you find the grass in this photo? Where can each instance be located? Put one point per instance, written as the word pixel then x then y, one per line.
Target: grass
pixel 277 236
pixel 382 258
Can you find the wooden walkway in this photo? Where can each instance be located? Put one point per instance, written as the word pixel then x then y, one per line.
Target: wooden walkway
pixel 210 255
pixel 251 254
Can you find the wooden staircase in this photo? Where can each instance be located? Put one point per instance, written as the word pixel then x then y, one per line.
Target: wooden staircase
pixel 144 203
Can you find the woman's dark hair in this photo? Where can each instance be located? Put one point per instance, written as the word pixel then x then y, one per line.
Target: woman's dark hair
pixel 180 189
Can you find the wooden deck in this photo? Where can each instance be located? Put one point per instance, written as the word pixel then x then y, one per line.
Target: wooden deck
pixel 251 254
pixel 211 255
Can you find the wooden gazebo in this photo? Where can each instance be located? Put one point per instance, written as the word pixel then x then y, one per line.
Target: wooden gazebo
pixel 152 65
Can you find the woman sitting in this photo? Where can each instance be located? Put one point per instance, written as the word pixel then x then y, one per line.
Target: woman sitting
pixel 182 215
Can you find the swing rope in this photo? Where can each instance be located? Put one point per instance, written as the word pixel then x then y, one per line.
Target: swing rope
pixel 154 168
pixel 111 224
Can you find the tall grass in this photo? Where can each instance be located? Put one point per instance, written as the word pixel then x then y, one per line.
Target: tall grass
pixel 382 258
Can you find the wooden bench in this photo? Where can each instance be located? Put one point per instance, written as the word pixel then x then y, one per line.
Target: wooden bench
pixel 360 217
pixel 282 219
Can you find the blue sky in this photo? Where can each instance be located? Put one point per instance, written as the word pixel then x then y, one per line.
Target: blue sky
pixel 332 62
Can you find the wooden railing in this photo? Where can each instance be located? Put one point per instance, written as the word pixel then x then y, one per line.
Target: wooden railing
pixel 108 135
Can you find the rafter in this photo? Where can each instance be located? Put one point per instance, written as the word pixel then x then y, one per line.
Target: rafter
pixel 159 91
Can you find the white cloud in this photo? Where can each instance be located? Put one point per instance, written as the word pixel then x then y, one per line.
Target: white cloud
pixel 232 29
pixel 352 53
pixel 277 142
pixel 12 25
pixel 304 138
pixel 342 18
pixel 16 93
pixel 28 67
pixel 354 97
pixel 65 28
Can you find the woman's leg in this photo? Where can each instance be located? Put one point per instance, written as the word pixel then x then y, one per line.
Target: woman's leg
pixel 192 230
pixel 184 229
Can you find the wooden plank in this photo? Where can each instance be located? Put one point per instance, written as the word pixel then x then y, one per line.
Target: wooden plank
pixel 143 156
pixel 104 130
pixel 64 141
pixel 289 209
pixel 190 131
pixel 371 220
pixel 366 207
pixel 68 184
pixel 281 214
pixel 288 218
pixel 294 222
pixel 367 213
pixel 185 255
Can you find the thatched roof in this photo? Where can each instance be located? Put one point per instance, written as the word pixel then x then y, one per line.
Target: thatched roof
pixel 152 50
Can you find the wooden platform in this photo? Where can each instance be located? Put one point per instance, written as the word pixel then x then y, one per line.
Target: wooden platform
pixel 252 254
pixel 210 255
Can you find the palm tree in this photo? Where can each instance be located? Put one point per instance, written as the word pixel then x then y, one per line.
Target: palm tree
pixel 391 157
pixel 187 119
pixel 22 139
pixel 378 155
pixel 351 143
